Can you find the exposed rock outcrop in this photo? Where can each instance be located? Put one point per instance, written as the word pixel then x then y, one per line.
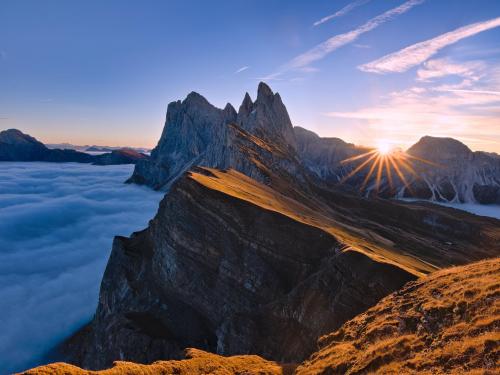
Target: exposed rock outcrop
pixel 445 323
pixel 325 156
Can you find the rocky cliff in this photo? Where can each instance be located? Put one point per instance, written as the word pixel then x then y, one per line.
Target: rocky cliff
pixel 439 169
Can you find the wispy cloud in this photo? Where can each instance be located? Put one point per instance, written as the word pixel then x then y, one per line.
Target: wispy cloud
pixel 438 68
pixel 337 41
pixel 416 54
pixel 242 69
pixel 467 110
pixel 342 12
pixel 359 45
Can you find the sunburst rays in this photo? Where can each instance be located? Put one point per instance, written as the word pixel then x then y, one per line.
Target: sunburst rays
pixel 384 164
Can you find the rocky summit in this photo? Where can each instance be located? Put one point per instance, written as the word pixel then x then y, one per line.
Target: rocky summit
pixel 251 251
pixel 258 140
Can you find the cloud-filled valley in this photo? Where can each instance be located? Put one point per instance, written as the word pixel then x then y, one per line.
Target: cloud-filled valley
pixel 57 222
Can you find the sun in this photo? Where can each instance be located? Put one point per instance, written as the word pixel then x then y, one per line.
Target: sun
pixel 384 148
pixel 384 162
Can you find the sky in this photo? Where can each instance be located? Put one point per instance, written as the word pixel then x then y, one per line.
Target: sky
pixel 367 71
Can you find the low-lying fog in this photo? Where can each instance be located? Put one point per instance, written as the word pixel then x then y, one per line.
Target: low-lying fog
pixel 57 222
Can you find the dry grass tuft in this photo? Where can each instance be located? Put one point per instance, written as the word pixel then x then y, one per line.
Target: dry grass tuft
pixel 197 362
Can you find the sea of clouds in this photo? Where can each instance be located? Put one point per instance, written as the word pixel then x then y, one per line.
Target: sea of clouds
pixel 57 223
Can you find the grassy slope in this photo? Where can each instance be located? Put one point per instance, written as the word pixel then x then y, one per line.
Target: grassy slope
pixel 447 322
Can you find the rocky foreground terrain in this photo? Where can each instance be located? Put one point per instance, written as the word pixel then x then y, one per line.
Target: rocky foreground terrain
pixel 17 146
pixel 444 323
pixel 253 251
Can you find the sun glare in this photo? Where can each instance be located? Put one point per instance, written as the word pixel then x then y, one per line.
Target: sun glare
pixel 384 148
pixel 385 162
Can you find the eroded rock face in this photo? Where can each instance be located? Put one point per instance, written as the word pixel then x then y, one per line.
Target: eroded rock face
pixel 257 139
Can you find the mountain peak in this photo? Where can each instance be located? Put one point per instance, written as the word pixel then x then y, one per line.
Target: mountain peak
pixel 264 91
pixel 17 137
pixel 439 148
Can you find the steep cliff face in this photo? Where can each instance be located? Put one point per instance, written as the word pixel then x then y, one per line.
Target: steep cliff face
pixel 220 270
pixel 256 141
pixel 230 265
pixel 439 169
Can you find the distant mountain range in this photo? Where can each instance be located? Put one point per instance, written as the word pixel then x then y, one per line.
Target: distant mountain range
pixel 94 148
pixel 261 245
pixel 437 169
pixel 17 146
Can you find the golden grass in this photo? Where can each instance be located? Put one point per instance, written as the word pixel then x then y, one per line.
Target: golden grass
pixel 445 323
pixel 197 362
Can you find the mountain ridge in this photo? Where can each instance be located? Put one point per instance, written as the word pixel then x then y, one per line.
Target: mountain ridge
pixel 18 146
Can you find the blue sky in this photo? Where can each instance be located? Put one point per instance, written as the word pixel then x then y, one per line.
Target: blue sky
pixel 94 72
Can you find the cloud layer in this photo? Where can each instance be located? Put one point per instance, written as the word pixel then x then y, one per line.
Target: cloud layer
pixel 57 222
pixel 416 54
